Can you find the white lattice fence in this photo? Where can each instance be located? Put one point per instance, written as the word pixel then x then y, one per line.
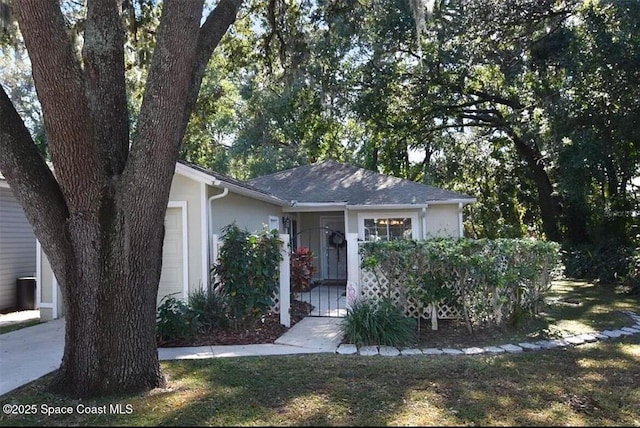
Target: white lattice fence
pixel 375 287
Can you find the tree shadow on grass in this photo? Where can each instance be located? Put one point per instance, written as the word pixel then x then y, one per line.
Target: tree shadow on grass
pixel 586 385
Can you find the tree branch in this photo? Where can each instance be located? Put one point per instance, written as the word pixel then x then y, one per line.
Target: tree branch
pixel 103 54
pixel 211 32
pixel 31 180
pixel 61 92
pixel 497 99
pixel 154 150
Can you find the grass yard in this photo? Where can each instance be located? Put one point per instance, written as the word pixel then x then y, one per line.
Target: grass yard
pixel 17 326
pixel 571 307
pixel 595 384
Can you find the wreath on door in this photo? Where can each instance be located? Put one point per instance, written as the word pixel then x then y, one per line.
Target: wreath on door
pixel 337 239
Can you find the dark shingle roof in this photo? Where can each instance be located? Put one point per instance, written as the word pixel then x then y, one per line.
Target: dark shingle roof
pixel 240 185
pixel 331 181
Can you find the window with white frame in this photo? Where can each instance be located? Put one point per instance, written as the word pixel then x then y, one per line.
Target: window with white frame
pixel 274 223
pixel 387 226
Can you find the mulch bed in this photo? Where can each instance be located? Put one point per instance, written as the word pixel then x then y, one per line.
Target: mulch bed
pixel 266 330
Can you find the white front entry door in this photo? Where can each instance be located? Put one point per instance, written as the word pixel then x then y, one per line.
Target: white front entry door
pixel 334 257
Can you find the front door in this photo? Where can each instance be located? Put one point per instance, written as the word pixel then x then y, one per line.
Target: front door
pixel 333 246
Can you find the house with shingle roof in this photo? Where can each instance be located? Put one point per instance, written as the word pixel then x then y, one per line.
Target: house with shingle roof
pixel 319 206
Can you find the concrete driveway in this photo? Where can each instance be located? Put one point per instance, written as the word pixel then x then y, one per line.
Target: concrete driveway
pixel 30 353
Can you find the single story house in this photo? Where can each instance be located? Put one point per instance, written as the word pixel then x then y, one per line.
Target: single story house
pixel 316 205
pixel 17 246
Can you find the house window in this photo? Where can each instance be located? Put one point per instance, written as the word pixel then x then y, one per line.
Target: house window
pixel 274 223
pixel 388 225
pixel 387 229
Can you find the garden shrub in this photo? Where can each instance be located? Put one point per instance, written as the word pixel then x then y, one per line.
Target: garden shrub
pixel 492 282
pixel 175 320
pixel 606 262
pixel 247 273
pixel 381 322
pixel 210 306
pixel 302 269
pixel 632 278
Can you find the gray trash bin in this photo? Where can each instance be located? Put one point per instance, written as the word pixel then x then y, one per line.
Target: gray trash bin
pixel 26 293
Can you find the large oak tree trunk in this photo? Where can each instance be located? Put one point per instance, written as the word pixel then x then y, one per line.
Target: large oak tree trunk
pixel 100 219
pixel 110 301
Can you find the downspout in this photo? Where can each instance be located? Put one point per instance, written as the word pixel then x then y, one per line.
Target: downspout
pixel 224 193
pixel 460 223
pixel 424 222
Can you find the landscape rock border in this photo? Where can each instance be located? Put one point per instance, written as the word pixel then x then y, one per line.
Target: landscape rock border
pixel 508 348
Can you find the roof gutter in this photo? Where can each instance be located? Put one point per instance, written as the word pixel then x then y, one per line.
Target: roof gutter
pixel 315 206
pixel 410 206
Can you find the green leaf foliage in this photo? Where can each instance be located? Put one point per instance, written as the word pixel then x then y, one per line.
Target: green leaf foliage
pixel 247 272
pixel 491 281
pixel 175 319
pixel 380 322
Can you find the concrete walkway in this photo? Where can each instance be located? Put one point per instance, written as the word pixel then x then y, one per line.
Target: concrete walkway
pixel 32 352
pixel 311 335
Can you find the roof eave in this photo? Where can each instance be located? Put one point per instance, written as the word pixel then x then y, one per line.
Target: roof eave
pixel 253 194
pixel 205 178
pixel 196 175
pixel 295 206
pixel 410 206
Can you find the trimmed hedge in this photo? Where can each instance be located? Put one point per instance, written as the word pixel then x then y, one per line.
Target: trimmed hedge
pixel 491 281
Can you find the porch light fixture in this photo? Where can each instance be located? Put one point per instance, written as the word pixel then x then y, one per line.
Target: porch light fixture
pixel 286 221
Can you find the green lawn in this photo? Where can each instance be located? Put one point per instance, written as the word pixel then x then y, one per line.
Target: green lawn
pixel 571 307
pixel 17 326
pixel 592 384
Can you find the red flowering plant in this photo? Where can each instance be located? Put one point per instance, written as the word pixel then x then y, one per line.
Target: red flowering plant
pixel 302 269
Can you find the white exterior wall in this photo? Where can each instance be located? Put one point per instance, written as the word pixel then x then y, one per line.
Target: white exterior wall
pixel 17 247
pixel 443 220
pixel 248 213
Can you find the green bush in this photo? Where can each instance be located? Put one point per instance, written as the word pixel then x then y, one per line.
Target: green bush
pixel 606 262
pixel 210 306
pixel 247 272
pixel 490 282
pixel 632 278
pixel 175 320
pixel 380 322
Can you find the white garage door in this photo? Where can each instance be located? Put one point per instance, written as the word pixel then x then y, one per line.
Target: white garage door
pixel 171 279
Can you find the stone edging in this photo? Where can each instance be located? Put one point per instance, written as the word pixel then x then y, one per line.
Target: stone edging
pixel 579 339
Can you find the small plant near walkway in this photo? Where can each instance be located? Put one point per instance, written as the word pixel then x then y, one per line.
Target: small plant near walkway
pixel 380 322
pixel 175 319
pixel 302 269
pixel 210 306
